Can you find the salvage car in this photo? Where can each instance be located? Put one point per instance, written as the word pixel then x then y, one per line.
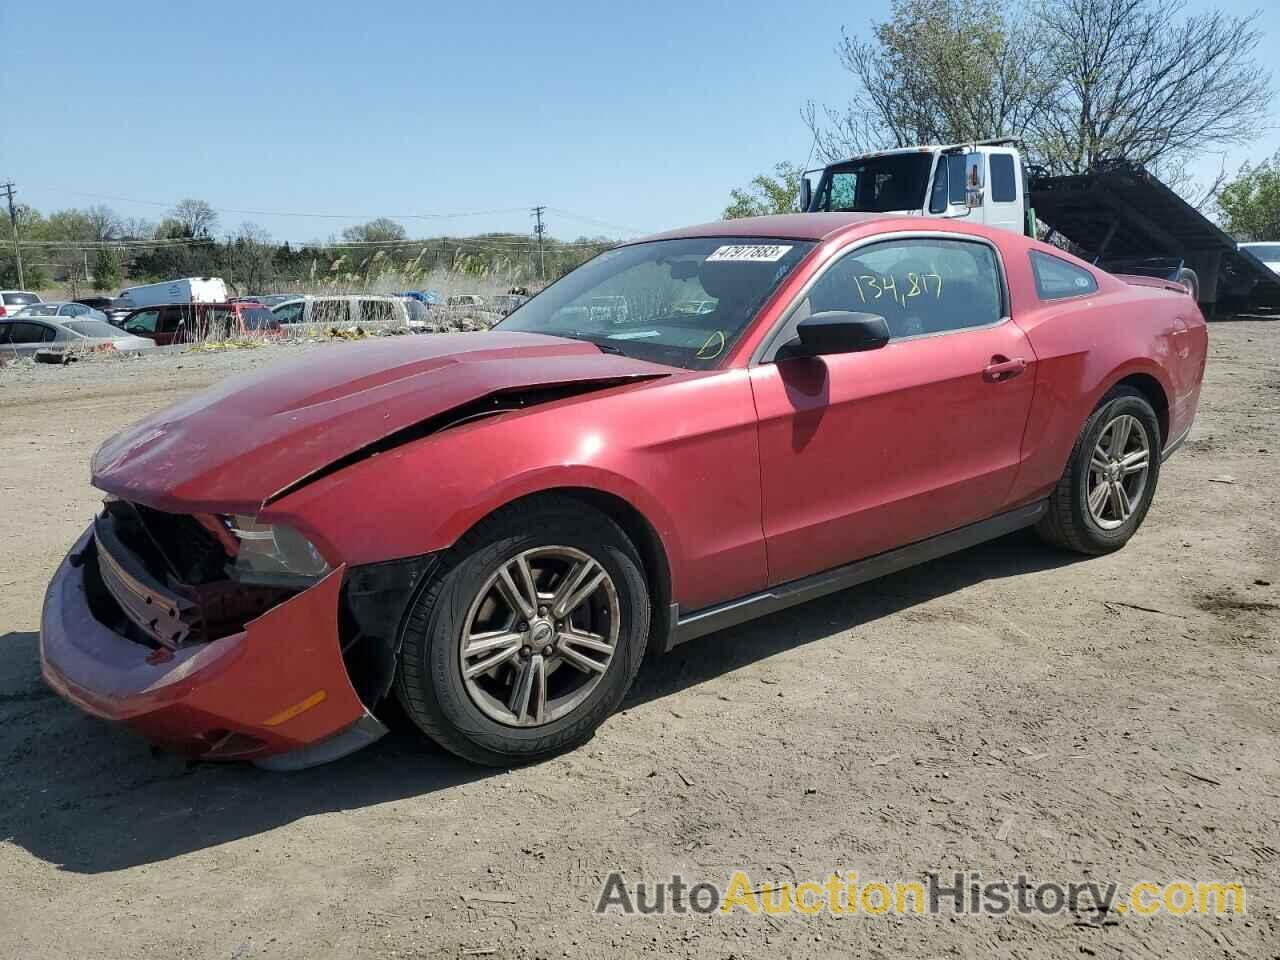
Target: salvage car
pixel 494 527
pixel 11 301
pixel 61 309
pixel 304 316
pixel 174 323
pixel 27 335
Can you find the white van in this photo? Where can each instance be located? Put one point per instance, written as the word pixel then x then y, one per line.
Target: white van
pixel 186 290
pixel 310 315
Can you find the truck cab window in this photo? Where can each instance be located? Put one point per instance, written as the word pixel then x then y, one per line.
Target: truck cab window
pixel 948 183
pixel 1004 178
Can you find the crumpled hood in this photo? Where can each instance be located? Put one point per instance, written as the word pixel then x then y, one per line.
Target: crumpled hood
pixel 234 445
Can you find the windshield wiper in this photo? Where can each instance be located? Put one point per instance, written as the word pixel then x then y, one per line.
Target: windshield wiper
pixel 604 347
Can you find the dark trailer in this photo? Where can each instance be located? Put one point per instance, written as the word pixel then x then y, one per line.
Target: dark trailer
pixel 1127 221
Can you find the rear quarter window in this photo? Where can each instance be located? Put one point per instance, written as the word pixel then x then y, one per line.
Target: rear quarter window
pixel 1056 279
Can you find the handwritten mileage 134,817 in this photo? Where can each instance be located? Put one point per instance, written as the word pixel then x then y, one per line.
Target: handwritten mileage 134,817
pixel 874 286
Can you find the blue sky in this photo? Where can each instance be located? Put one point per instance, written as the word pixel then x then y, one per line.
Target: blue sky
pixel 638 116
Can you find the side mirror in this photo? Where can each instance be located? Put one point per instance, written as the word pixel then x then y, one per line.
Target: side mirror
pixel 837 331
pixel 974 179
pixel 806 193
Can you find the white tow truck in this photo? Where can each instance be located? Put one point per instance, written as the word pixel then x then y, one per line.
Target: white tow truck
pixel 1119 215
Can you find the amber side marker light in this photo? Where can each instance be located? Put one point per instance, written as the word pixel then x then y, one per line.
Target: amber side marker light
pixel 289 713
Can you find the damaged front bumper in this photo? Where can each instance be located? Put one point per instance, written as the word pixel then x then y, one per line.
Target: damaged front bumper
pixel 277 692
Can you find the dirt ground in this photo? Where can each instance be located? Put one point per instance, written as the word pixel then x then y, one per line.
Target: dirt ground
pixel 1009 709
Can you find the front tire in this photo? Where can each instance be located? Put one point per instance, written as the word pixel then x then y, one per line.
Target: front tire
pixel 529 636
pixel 1110 479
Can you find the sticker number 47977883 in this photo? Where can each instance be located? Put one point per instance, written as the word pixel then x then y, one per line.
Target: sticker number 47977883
pixel 753 252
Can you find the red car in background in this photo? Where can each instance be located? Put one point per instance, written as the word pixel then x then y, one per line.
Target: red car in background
pixel 185 322
pixel 494 527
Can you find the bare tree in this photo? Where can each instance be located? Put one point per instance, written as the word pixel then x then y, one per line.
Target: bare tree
pixel 103 221
pixel 197 218
pixel 938 71
pixel 381 229
pixel 137 228
pixel 251 257
pixel 1141 83
pixel 1081 81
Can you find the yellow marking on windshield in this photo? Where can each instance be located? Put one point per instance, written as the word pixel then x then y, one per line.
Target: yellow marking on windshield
pixel 717 338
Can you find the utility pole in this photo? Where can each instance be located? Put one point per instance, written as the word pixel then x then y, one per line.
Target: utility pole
pixel 540 228
pixel 13 222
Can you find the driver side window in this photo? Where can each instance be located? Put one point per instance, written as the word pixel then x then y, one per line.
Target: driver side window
pixel 920 286
pixel 143 322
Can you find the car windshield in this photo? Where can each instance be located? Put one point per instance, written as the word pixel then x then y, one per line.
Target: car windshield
pixel 1264 251
pixel 92 328
pixel 630 300
pixel 876 184
pixel 17 299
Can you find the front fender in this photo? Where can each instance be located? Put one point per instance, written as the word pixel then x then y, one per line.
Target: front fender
pixel 683 453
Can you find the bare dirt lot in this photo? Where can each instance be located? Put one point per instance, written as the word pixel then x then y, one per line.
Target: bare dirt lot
pixel 1009 709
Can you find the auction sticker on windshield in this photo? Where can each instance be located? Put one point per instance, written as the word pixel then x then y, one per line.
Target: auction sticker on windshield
pixel 755 252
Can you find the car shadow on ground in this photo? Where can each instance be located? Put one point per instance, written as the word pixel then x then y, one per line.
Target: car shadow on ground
pixel 90 797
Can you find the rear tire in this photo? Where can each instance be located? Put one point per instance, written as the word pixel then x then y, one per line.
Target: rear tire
pixel 563 673
pixel 1187 277
pixel 1107 488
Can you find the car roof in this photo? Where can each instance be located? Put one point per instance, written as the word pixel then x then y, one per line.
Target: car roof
pixel 161 306
pixel 341 296
pixel 787 226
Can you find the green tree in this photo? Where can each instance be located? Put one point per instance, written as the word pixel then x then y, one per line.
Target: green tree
pixel 778 192
pixel 1250 204
pixel 107 274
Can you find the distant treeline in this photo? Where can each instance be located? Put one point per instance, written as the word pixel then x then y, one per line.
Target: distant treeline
pixel 95 249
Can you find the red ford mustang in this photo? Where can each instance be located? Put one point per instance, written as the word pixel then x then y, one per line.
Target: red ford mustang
pixel 684 433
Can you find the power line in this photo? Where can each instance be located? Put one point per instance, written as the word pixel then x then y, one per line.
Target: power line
pixel 597 223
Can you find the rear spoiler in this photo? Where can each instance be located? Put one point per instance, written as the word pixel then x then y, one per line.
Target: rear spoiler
pixel 1137 280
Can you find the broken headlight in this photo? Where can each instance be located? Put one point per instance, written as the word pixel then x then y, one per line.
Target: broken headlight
pixel 274 554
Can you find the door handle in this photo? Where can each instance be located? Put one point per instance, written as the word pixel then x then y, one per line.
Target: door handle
pixel 1002 368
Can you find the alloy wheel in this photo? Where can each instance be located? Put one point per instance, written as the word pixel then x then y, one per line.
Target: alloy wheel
pixel 539 636
pixel 1118 471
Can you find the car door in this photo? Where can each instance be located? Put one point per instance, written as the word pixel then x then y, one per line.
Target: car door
pixel 173 325
pixel 26 337
pixel 864 452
